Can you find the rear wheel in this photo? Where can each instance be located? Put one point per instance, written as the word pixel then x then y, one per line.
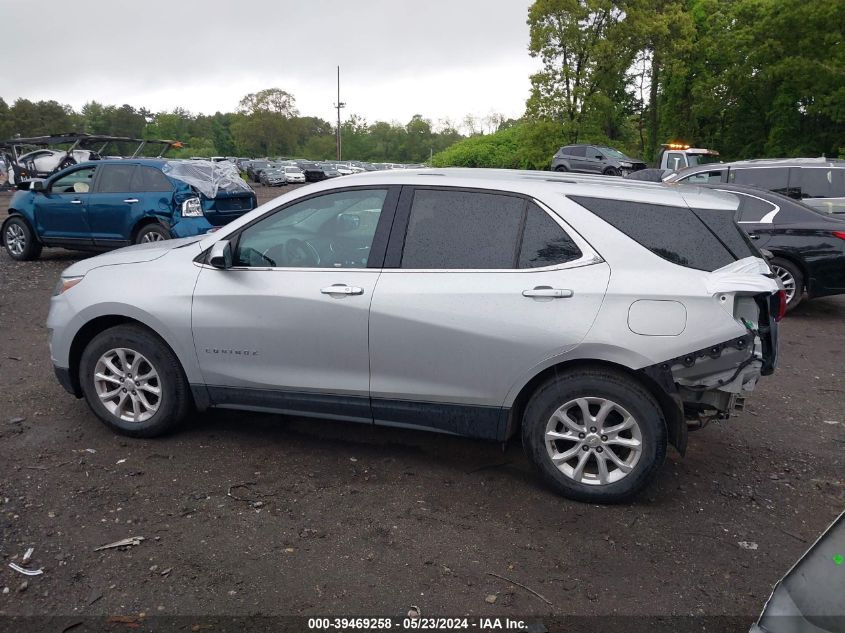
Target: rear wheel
pixel 595 435
pixel 791 278
pixel 133 382
pixel 561 168
pixel 19 239
pixel 152 233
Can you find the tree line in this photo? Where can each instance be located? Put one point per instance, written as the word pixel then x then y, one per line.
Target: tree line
pixel 749 78
pixel 266 123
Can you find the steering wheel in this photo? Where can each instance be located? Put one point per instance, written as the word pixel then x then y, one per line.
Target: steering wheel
pixel 301 254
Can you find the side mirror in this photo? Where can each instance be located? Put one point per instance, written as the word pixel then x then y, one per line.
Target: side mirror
pixel 37 185
pixel 599 157
pixel 221 255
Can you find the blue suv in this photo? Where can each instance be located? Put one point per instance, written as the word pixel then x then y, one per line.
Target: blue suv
pixel 105 204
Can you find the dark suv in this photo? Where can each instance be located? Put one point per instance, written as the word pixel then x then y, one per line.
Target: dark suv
pixel 106 204
pixel 595 159
pixel 817 182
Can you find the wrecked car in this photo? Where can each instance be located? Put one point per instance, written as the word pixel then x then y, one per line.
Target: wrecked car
pixel 108 204
pixel 595 321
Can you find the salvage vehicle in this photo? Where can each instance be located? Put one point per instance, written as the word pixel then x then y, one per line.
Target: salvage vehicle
pixel 293 174
pixel 595 159
pixel 467 301
pixel 817 182
pixel 273 177
pixel 253 169
pixel 808 246
pixel 26 164
pixel 108 204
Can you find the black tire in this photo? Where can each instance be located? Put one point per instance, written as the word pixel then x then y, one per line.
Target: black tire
pixel 19 239
pixel 152 233
pixel 561 168
pixel 786 269
pixel 600 384
pixel 174 402
pixel 612 171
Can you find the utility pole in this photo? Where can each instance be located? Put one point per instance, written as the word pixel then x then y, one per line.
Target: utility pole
pixel 338 106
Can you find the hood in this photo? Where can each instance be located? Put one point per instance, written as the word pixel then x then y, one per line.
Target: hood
pixel 129 255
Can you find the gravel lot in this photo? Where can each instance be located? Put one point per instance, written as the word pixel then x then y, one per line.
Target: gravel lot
pixel 247 514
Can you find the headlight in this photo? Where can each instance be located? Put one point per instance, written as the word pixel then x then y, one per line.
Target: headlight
pixel 192 208
pixel 65 284
pixel 626 165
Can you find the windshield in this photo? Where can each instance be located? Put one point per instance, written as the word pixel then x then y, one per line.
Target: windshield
pixel 613 153
pixel 293 170
pixel 701 159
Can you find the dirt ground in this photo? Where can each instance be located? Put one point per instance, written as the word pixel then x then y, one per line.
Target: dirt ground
pixel 245 514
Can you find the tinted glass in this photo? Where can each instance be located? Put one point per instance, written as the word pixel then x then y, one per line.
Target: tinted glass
pixel 544 242
pixel 150 179
pixel 578 150
pixel 78 181
pixel 771 178
pixel 335 230
pixel 673 233
pixel 115 178
pixel 722 223
pixel 821 182
pixel 703 177
pixel 753 209
pixel 462 229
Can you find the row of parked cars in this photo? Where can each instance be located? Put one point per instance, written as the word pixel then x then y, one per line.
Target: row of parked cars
pixel 275 173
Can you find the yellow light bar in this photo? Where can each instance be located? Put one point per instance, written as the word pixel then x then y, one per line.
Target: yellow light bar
pixel 678 146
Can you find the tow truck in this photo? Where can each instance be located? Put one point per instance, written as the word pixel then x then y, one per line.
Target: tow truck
pixel 675 156
pixel 27 159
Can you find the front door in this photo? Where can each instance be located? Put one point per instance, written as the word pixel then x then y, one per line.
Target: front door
pixel 489 286
pixel 286 328
pixel 61 210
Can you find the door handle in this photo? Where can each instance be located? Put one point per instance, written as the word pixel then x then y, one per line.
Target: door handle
pixel 131 200
pixel 342 289
pixel 76 201
pixel 548 292
pixel 754 236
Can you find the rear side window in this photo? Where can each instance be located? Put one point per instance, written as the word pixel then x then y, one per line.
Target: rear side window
pixel 675 161
pixel 820 182
pixel 462 229
pixel 544 242
pixel 674 233
pixel 753 209
pixel 721 222
pixel 150 179
pixel 579 151
pixel 771 178
pixel 115 178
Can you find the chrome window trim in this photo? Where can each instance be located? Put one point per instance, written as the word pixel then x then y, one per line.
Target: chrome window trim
pixel 766 219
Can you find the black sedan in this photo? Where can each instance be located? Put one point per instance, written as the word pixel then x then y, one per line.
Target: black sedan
pixel 808 246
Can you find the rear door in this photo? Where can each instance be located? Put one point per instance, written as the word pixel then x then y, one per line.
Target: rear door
pixel 61 210
pixel 577 157
pixel 478 289
pixel 111 204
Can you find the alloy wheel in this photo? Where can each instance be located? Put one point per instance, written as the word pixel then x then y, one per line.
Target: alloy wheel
pixel 593 441
pixel 127 384
pixel 787 280
pixel 152 236
pixel 15 239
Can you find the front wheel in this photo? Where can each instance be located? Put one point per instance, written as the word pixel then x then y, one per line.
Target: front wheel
pixel 19 240
pixel 133 382
pixel 152 233
pixel 612 171
pixel 595 435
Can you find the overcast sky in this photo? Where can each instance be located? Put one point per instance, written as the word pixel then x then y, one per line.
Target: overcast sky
pixel 438 58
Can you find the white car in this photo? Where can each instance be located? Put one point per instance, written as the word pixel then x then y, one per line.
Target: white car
pixel 294 174
pixel 48 160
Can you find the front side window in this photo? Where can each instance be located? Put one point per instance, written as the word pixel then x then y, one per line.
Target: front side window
pixel 703 177
pixel 335 230
pixel 77 181
pixel 115 178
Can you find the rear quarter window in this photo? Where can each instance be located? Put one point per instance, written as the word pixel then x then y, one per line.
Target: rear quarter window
pixel 674 233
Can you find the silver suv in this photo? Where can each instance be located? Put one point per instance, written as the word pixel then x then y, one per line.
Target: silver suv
pixel 596 319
